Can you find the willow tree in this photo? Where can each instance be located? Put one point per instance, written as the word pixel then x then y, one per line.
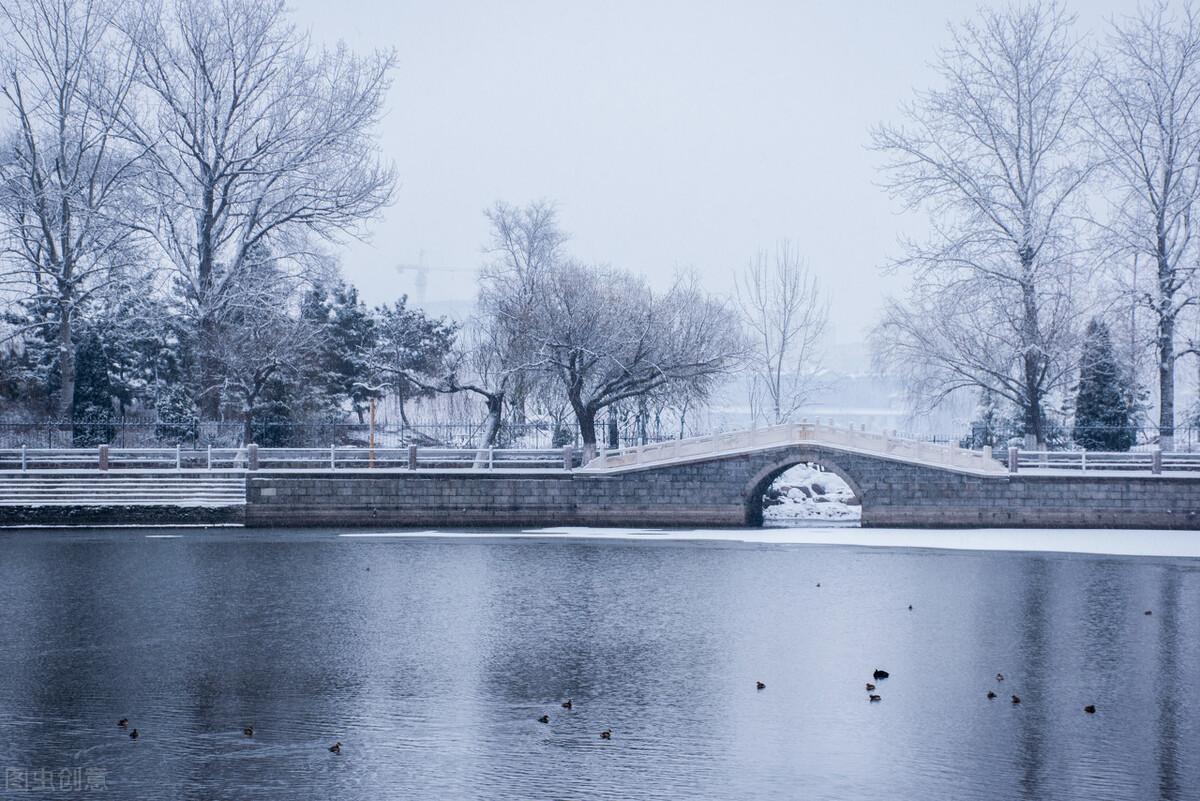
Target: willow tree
pixel 996 155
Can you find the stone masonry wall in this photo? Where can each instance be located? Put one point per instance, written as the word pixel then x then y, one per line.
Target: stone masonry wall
pixel 719 492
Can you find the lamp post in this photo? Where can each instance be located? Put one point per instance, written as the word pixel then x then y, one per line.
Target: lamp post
pixel 374 389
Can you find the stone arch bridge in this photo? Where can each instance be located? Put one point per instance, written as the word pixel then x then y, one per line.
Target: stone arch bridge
pixel 719 480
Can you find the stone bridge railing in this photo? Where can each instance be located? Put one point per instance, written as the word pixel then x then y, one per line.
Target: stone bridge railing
pixel 848 439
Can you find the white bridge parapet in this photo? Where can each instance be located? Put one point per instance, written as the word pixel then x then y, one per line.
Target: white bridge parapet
pixel 846 439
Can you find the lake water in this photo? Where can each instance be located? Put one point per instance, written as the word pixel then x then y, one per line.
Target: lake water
pixel 430 660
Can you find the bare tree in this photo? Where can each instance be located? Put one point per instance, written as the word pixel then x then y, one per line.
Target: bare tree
pixel 66 178
pixel 996 157
pixel 1147 123
pixel 607 338
pixel 258 140
pixel 785 314
pixel 526 243
pixel 597 335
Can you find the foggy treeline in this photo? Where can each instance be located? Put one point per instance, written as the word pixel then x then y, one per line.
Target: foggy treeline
pixel 175 180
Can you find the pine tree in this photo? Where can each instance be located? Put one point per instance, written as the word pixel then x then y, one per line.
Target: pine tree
pixel 177 421
pixel 92 407
pixel 986 425
pixel 340 369
pixel 1102 414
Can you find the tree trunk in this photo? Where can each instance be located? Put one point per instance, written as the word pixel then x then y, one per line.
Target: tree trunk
pixel 1033 404
pixel 1166 381
pixel 495 407
pixel 491 429
pixel 1032 355
pixel 585 415
pixel 248 424
pixel 209 402
pixel 66 366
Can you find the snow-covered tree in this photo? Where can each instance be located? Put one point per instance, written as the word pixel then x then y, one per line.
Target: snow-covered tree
pixel 260 342
pixel 607 337
pixel 997 157
pixel 499 360
pixel 67 199
pixel 340 371
pixel 411 351
pixel 93 397
pixel 1102 414
pixel 257 140
pixel 1147 122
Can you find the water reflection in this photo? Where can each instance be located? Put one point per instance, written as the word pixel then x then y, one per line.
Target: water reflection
pixel 431 661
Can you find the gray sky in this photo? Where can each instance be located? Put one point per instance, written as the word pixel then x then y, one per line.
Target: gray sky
pixel 671 134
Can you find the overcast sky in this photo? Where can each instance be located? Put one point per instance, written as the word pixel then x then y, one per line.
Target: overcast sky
pixel 670 134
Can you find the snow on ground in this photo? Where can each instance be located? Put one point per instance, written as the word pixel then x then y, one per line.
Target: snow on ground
pixel 1111 542
pixel 805 492
pixel 1185 544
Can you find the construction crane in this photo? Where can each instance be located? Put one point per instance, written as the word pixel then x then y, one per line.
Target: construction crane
pixel 422 271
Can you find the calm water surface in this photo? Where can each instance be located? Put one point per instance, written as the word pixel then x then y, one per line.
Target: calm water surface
pixel 430 661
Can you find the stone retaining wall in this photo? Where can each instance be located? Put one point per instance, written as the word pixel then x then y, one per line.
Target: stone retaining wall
pixel 120 515
pixel 719 492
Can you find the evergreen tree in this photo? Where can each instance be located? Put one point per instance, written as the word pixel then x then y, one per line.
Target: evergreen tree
pixel 411 348
pixel 987 427
pixel 177 421
pixel 341 368
pixel 92 407
pixel 1102 414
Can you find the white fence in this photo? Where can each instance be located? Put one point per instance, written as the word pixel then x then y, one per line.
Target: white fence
pixel 1136 461
pixel 848 438
pixel 105 458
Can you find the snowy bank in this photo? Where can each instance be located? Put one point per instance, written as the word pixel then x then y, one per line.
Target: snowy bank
pixel 1113 542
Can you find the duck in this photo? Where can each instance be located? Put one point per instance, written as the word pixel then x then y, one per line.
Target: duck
pixel 336 748
pixel 760 685
pixel 910 607
pixel 991 695
pixel 1090 709
pixel 1016 699
pixel 880 674
pixel 999 677
pixel 133 735
pixel 870 686
pixel 567 704
pixel 248 731
pixel 544 719
pixel 123 722
pixel 606 734
pixel 874 698
pixel 1147 612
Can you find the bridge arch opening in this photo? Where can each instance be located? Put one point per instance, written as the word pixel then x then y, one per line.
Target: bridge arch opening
pixel 800 492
